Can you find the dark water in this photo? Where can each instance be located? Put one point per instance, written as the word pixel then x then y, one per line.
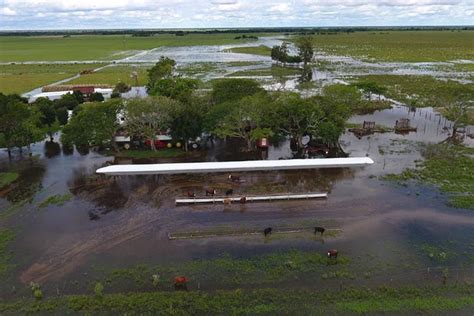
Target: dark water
pixel 58 243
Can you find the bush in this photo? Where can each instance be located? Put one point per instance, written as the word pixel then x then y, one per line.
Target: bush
pixel 99 289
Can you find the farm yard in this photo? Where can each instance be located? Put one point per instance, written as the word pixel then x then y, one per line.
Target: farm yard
pixel 74 241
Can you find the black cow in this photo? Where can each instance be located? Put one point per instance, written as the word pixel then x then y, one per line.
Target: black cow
pixel 319 230
pixel 267 231
pixel 229 192
pixel 93 216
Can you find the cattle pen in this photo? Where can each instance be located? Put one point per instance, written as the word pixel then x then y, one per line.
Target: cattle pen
pixel 245 199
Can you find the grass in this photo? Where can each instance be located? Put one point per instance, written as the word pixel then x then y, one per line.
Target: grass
pixel 55 200
pixel 114 74
pixel 254 50
pixel 400 46
pixel 144 153
pixel 97 47
pixel 6 236
pixel 6 178
pixel 24 78
pixel 274 71
pixel 449 168
pixel 427 90
pixel 257 302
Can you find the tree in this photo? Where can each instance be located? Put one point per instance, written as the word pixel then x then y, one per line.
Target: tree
pixel 96 97
pixel 79 96
pixel 245 119
pixel 305 44
pixel 121 87
pixel 148 117
pixel 295 117
pixel 68 101
pixel 187 119
pixel 62 115
pixel 370 87
pixel 48 116
pixel 162 70
pixel 458 113
pixel 234 89
pixel 93 124
pixel 176 88
pixel 19 123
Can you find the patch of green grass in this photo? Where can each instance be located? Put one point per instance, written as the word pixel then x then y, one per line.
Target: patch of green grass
pixel 24 78
pixel 6 236
pixel 424 304
pixel 426 90
pixel 241 63
pixel 113 75
pixel 254 50
pixel 275 71
pixel 449 168
pixel 56 200
pixel 6 178
pixel 160 153
pixel 402 46
pixel 257 302
pixel 97 47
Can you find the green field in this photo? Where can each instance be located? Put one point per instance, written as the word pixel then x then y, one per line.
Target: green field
pixel 426 90
pixel 23 78
pixel 402 46
pixel 113 75
pixel 254 50
pixel 97 47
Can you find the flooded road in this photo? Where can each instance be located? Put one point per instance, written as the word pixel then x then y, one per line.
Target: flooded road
pixel 384 226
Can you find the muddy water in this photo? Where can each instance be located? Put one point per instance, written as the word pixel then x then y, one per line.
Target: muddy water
pixel 384 225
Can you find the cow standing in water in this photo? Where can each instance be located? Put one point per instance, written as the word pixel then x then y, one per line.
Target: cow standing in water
pixel 211 192
pixel 332 254
pixel 234 178
pixel 267 231
pixel 319 230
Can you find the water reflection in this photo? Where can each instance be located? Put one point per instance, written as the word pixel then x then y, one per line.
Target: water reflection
pixel 51 149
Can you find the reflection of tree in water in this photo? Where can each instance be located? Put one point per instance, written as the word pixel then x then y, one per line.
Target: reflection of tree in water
pixel 51 149
pixel 68 149
pixel 306 75
pixel 27 185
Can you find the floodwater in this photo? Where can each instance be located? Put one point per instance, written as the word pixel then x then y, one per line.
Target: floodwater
pixel 384 226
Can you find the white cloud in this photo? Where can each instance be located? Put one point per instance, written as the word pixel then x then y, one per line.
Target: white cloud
pixel 41 14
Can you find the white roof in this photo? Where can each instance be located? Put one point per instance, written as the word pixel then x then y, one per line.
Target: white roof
pixel 227 166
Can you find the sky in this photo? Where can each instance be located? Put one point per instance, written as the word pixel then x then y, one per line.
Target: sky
pixel 123 14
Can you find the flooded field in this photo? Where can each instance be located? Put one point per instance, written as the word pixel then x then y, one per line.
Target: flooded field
pixel 68 229
pixel 389 234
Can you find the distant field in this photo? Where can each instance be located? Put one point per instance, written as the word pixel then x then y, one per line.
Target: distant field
pixel 113 75
pixel 97 47
pixel 275 71
pixel 425 89
pixel 23 78
pixel 255 50
pixel 403 46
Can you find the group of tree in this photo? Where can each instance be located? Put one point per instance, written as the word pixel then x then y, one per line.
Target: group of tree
pixel 281 54
pixel 20 124
pixel 163 80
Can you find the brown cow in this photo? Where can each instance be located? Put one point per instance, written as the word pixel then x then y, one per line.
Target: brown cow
pixel 234 178
pixel 332 253
pixel 211 192
pixel 180 283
